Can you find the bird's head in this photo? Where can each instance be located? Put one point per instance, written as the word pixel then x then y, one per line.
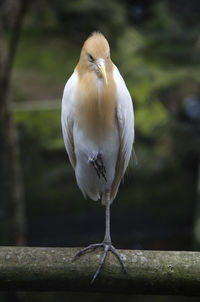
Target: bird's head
pixel 95 55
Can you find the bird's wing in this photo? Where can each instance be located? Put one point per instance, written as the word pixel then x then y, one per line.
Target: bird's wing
pixel 125 122
pixel 68 104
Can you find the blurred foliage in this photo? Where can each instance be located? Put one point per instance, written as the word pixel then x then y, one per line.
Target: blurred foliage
pixel 43 127
pixel 50 56
pixel 153 58
pixel 107 16
pixel 155 45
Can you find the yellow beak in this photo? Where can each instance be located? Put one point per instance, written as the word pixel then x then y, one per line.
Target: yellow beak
pixel 102 70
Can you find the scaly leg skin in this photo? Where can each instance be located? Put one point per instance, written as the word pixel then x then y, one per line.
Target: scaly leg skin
pixel 107 247
pixel 106 244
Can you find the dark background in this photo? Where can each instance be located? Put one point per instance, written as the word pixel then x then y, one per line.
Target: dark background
pixel 156 46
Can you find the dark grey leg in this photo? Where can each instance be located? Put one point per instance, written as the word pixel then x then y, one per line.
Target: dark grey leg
pixel 106 244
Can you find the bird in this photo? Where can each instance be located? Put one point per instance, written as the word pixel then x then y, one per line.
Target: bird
pixel 97 120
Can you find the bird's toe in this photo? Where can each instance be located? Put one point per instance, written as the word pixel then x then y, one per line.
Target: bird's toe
pixel 86 249
pixel 119 257
pixel 107 247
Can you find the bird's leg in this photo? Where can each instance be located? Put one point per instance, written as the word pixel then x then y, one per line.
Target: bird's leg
pixel 107 238
pixel 106 244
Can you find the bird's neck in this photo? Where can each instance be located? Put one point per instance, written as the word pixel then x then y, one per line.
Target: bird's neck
pixel 96 103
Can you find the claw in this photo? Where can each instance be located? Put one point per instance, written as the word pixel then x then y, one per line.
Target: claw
pixel 118 256
pixel 83 251
pixel 106 247
pixel 98 164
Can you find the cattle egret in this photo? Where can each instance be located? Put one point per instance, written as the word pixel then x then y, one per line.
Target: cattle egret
pixel 98 129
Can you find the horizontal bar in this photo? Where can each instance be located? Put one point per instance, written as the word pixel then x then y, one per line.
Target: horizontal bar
pixel 44 105
pixel 53 269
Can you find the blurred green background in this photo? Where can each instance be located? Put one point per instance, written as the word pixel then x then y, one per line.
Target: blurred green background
pixel 156 46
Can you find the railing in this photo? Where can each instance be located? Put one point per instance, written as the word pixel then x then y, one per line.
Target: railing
pixel 53 269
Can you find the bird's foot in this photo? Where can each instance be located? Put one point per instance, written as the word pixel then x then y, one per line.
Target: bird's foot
pixel 98 164
pixel 107 246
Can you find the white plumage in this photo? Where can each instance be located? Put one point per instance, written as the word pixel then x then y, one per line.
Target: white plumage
pixel 99 157
pixel 115 149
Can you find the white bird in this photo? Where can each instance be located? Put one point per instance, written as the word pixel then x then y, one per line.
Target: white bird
pixel 98 129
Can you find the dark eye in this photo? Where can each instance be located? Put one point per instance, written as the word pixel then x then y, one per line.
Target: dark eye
pixel 91 58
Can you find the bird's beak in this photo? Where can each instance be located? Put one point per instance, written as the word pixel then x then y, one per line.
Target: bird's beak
pixel 101 66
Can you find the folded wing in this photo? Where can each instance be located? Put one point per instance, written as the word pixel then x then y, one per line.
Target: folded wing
pixel 125 122
pixel 68 104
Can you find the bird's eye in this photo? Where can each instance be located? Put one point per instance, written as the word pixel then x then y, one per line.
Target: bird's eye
pixel 91 58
